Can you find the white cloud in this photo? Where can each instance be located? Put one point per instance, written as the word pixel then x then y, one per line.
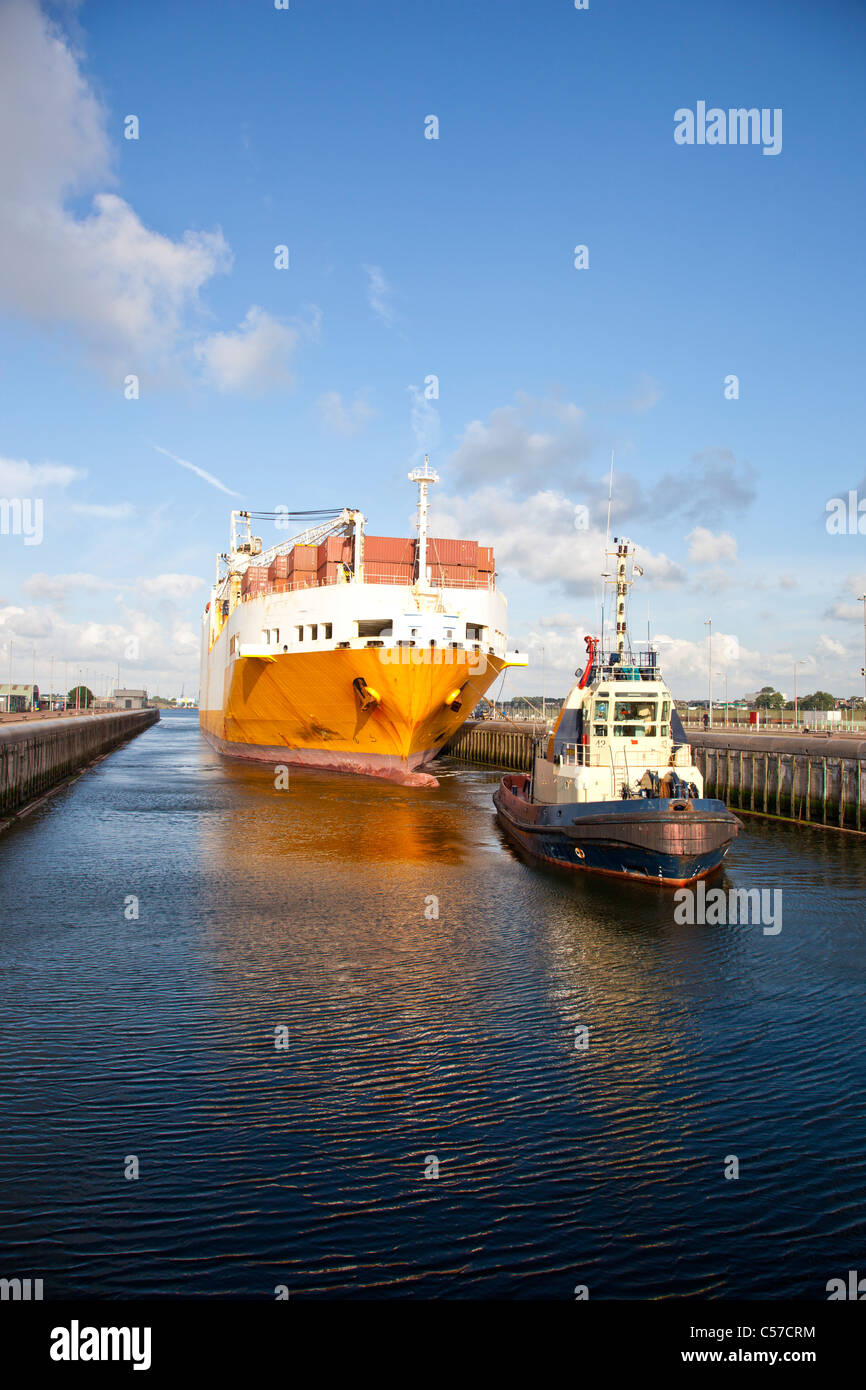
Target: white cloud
pixel 830 646
pixel 535 538
pixel 847 612
pixel 253 359
pixel 379 293
pixel 166 645
pixel 341 418
pixel 705 548
pixel 18 478
pixel 58 588
pixel 199 472
pixel 121 286
pixel 531 443
pixel 171 586
pixel 559 620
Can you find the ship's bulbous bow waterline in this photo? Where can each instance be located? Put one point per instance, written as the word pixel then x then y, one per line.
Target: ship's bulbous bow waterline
pixel 328 760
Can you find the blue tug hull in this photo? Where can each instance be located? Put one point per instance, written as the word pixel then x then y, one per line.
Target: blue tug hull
pixel 672 842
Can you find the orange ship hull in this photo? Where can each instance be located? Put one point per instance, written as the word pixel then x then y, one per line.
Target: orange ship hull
pixel 304 708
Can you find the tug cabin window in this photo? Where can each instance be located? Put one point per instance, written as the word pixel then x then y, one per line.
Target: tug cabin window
pixel 599 718
pixel 635 718
pixel 666 717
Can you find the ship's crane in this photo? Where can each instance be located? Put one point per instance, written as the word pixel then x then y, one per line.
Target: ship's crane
pixel 246 549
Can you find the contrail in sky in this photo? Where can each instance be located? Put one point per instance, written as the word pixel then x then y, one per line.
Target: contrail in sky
pixel 193 468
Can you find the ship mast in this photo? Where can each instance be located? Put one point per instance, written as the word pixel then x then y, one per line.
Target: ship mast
pixel 622 587
pixel 423 477
pixel 623 554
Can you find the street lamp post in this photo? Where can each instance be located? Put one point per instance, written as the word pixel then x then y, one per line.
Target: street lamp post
pixel 708 624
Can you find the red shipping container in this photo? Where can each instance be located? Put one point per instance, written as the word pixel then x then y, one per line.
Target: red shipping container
pixel 447 552
pixel 335 548
pixel 304 557
pixel 332 572
pixel 279 567
pixel 253 576
pixel 389 550
pixel 388 572
pixel 455 576
pixel 485 559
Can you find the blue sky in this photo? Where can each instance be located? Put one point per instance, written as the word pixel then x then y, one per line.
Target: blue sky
pixel 454 257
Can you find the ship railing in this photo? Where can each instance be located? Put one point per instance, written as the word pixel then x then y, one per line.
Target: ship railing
pixel 641 665
pixel 372 575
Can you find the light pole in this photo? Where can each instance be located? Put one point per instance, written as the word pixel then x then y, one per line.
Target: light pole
pixel 708 623
pixel 543 700
pixel 724 673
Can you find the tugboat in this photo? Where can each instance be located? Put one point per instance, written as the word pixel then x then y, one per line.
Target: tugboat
pixel 613 789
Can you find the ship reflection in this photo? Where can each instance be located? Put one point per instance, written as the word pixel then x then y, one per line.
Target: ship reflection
pixel 325 816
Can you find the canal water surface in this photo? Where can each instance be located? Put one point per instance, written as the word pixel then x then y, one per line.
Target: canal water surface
pixel 288 1043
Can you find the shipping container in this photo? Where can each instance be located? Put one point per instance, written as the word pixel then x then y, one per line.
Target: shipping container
pixel 391 550
pixel 304 557
pixel 456 576
pixel 388 572
pixel 447 552
pixel 332 572
pixel 279 567
pixel 485 559
pixel 254 577
pixel 335 548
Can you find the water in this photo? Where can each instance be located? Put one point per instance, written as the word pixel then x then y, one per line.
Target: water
pixel 411 1038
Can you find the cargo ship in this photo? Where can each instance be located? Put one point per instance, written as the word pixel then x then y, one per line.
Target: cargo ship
pixel 614 789
pixel 344 651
